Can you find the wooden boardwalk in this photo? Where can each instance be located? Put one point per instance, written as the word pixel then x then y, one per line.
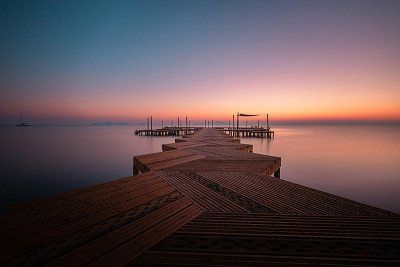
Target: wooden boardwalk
pixel 167 131
pixel 205 200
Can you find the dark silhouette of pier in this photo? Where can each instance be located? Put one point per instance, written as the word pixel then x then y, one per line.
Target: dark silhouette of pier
pixel 235 131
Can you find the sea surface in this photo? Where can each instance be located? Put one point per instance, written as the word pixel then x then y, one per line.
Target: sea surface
pixel 357 162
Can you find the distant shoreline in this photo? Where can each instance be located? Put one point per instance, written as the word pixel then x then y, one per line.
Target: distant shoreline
pixel 221 123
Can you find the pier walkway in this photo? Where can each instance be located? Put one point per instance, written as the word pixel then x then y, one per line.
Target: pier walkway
pixel 205 200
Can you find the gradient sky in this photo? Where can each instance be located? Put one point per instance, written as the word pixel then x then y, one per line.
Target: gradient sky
pixel 85 61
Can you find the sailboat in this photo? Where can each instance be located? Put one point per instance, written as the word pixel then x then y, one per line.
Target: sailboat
pixel 21 122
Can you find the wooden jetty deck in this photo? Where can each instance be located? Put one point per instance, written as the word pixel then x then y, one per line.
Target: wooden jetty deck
pixel 206 201
pixel 232 131
pixel 167 131
pixel 256 131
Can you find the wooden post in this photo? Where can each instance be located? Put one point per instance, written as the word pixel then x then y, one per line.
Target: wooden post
pixel 147 123
pixel 186 125
pixel 151 123
pixel 178 122
pixel 212 123
pixel 233 125
pixel 267 122
pixel 237 124
pixel 205 123
pixel 258 123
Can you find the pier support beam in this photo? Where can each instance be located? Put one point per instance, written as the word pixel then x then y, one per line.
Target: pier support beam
pixel 135 170
pixel 277 173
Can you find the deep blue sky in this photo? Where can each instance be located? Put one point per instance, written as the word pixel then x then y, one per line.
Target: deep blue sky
pixel 81 61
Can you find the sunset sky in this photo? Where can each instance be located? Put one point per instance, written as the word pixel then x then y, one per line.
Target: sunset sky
pixel 88 61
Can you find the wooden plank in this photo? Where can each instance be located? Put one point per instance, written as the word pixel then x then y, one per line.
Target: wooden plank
pixel 23 246
pixel 261 238
pixel 37 224
pixel 128 251
pixel 291 202
pixel 359 227
pixel 66 198
pixel 157 161
pixel 94 250
pixel 76 207
pixel 267 167
pixel 202 196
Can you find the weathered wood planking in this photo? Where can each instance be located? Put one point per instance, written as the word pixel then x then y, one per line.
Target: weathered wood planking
pixel 80 221
pixel 255 192
pixel 156 161
pixel 260 239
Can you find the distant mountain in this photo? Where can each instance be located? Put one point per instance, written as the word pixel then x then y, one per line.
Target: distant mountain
pixel 109 123
pixel 140 123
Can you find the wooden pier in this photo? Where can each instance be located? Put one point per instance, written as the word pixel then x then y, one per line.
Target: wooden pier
pixel 237 132
pixel 205 200
pixel 167 131
pixel 248 132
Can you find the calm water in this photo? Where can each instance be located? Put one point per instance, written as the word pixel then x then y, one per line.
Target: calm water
pixel 358 162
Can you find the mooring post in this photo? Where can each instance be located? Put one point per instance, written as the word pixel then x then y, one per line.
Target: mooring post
pixel 233 125
pixel 186 125
pixel 151 124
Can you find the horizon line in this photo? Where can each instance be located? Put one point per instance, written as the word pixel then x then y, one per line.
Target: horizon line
pixel 274 122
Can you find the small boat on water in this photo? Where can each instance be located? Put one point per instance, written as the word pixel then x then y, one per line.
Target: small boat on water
pixel 21 122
